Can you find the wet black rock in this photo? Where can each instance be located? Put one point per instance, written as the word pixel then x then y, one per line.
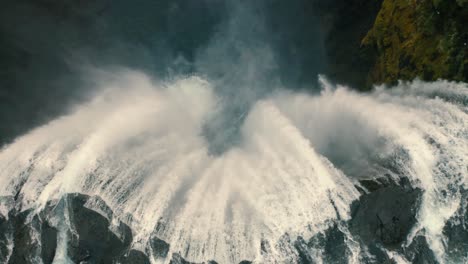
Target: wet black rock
pixel 418 252
pixel 6 236
pixel 380 221
pixel 334 243
pixel 133 257
pixel 303 251
pixel 386 180
pixel 24 236
pixel 48 242
pixel 27 233
pixel 178 259
pixel 385 216
pixel 159 247
pixel 31 237
pixel 93 238
pixel 375 254
pixel 456 232
pixel 331 244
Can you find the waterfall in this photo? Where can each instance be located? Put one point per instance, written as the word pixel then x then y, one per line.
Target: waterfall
pixel 297 169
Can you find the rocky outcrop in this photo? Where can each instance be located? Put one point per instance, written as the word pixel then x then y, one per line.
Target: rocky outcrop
pixel 456 232
pixel 418 252
pixel 32 237
pixel 133 257
pixel 383 41
pixel 25 237
pixel 386 215
pixel 158 247
pixel 92 238
pixel 419 39
pixel 6 229
pixel 334 243
pixel 381 220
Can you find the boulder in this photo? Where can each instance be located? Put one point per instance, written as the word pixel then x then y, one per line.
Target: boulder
pixel 159 248
pixel 418 252
pixel 456 232
pixel 133 257
pixel 385 216
pixel 334 244
pixel 92 239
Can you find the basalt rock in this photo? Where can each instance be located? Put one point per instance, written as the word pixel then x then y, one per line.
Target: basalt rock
pixel 456 232
pixel 48 242
pixel 178 259
pixel 386 215
pixel 133 257
pixel 6 238
pixel 334 243
pixel 32 237
pixel 418 252
pixel 29 233
pixel 93 238
pixel 381 220
pixel 159 247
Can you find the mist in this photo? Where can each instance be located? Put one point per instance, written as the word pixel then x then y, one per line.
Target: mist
pixel 238 44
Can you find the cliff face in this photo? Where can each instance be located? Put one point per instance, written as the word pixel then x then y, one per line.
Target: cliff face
pixel 424 39
pixel 383 41
pixel 345 23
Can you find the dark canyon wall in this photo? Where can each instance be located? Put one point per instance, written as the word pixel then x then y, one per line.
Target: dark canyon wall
pixel 426 39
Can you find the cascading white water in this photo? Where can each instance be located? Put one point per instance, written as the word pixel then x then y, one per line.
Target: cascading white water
pixel 140 147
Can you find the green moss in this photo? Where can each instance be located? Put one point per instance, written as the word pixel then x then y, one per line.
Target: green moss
pixel 425 39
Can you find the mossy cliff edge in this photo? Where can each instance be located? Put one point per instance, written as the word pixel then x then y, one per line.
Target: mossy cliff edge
pixel 425 39
pixel 404 40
